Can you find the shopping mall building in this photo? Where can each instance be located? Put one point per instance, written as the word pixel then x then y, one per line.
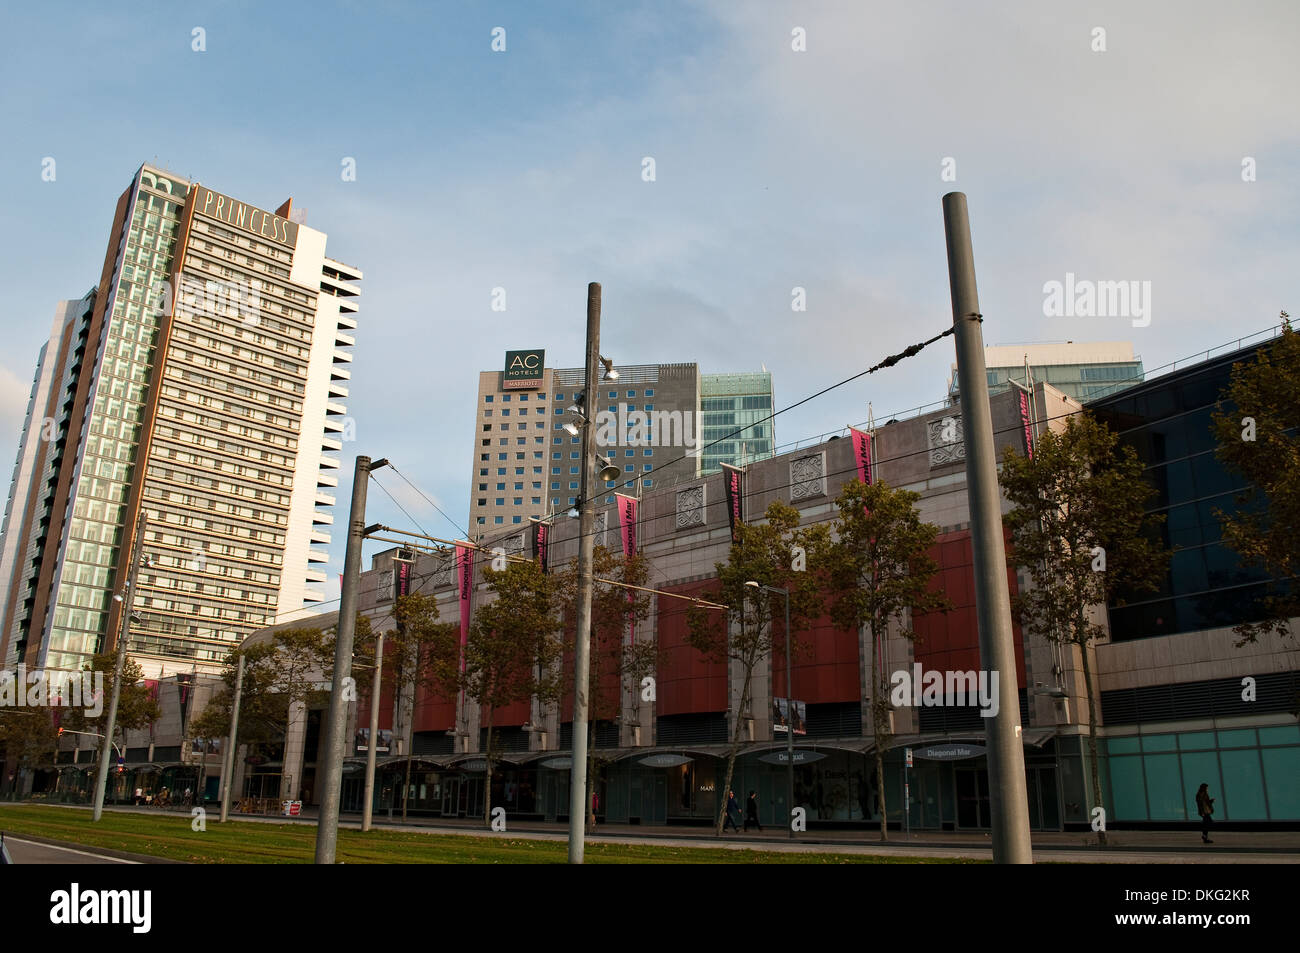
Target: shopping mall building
pixel 1169 679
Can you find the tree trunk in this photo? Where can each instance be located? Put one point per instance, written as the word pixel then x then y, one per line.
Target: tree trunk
pixel 877 717
pixel 735 745
pixel 1092 739
pixel 487 784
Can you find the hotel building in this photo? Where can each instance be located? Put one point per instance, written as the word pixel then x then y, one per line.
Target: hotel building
pixel 200 383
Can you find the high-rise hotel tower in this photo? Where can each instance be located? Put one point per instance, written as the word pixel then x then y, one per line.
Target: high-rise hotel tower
pixel 199 383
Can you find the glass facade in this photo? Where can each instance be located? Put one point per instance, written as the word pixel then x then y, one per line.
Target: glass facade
pixel 112 424
pixel 1167 422
pixel 1251 773
pixel 734 419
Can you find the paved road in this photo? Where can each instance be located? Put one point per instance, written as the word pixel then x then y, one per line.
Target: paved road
pixel 30 852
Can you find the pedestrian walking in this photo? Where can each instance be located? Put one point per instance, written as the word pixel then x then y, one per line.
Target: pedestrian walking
pixel 731 806
pixel 751 811
pixel 1205 808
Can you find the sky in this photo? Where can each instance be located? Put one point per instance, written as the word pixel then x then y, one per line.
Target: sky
pixel 794 146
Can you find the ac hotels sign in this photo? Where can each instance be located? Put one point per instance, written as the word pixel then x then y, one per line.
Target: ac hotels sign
pixel 523 369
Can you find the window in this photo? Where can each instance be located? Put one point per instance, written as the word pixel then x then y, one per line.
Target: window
pixel 522 411
pixel 518 501
pixel 612 395
pixel 573 455
pixel 537 469
pixel 608 485
pixel 487 413
pixel 573 470
pixel 502 456
pixel 648 482
pixel 555 486
pixel 537 484
pixel 536 500
pixel 559 396
pixel 505 411
pixel 523 397
pixel 647 468
pixel 500 501
pixel 647 453
pixel 519 471
pixel 487 428
pixel 629 469
pixel 481 520
pixel 500 486
pixel 483 472
pixel 487 399
pixel 649 407
pixel 649 392
pixel 557 456
pixel 631 393
pixel 482 501
pixel 555 471
pixel 518 519
pixel 498 519
pixel 629 453
pixel 609 499
pixel 518 486
pixel 572 486
pixel 505 426
pixel 501 471
pixel 506 398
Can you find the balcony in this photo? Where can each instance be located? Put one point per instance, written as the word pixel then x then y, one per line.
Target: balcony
pixel 317 556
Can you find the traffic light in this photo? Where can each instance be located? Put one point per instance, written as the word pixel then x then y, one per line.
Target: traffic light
pixel 60 732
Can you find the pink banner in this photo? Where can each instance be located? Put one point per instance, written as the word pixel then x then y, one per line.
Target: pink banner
pixel 627 512
pixel 862 453
pixel 1027 422
pixel 464 587
pixel 733 487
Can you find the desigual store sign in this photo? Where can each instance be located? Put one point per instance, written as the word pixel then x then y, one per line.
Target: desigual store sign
pixel 248 218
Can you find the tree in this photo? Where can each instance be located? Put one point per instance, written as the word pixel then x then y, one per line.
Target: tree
pixel 613 659
pixel 1080 527
pixel 764 553
pixel 877 566
pixel 510 651
pixel 279 675
pixel 136 706
pixel 1259 438
pixel 27 736
pixel 409 649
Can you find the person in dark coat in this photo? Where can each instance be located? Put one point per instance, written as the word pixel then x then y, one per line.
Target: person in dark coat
pixel 751 811
pixel 1205 808
pixel 731 806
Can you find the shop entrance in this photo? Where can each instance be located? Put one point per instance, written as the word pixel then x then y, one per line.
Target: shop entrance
pixel 972 797
pixel 1044 798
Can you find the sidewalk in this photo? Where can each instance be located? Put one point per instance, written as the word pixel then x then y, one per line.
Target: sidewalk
pixel 1126 846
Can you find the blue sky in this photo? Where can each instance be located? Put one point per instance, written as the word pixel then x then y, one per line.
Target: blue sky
pixel 774 169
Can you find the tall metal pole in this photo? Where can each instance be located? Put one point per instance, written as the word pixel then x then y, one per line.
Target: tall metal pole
pixel 228 762
pixel 586 553
pixel 327 830
pixel 367 808
pixel 1008 799
pixel 789 709
pixel 124 631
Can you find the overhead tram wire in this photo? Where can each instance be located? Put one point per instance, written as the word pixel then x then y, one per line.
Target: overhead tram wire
pixel 454 524
pixel 910 351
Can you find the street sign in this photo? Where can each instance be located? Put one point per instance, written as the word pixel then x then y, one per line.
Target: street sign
pixel 665 760
pixel 908 755
pixel 951 752
pixel 558 764
pixel 783 757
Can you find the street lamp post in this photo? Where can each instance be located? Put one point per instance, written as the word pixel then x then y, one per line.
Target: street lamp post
pixel 331 774
pixel 789 705
pixel 228 762
pixel 124 631
pixel 367 808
